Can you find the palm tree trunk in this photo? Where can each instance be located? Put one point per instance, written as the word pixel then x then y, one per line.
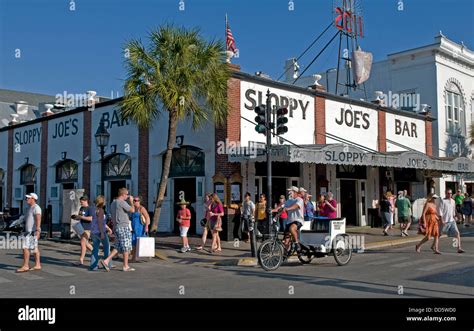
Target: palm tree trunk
pixel 172 128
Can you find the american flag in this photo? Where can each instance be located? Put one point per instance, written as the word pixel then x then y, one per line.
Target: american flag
pixel 230 42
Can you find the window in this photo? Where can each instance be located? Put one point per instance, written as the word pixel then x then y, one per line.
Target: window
pixel 187 161
pixel 28 174
pixel 455 116
pixel 118 166
pixel 2 175
pixel 66 172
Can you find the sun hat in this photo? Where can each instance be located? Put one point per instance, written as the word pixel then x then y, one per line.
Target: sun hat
pixel 183 202
pixel 293 188
pixel 32 195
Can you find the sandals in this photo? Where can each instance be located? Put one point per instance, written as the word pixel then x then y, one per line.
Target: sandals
pixel 199 248
pixel 128 269
pixel 22 270
pixel 417 247
pixel 77 264
pixel 35 269
pixel 105 266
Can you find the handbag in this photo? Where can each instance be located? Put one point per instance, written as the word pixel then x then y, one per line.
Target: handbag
pixel 142 218
pixel 421 227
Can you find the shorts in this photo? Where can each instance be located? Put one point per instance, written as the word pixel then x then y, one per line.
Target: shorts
pixel 404 219
pixel 459 209
pixel 29 242
pixel 183 231
pixel 288 225
pixel 123 240
pixel 88 234
pixel 450 228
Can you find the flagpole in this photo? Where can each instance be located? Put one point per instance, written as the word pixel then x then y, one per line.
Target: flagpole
pixel 225 31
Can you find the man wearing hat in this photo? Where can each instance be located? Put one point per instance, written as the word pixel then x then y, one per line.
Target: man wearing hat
pixel 295 209
pixel 31 234
pixel 184 220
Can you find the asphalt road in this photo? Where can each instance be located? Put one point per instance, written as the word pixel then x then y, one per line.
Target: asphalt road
pixel 381 273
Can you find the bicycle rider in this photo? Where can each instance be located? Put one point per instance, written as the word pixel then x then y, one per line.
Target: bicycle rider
pixel 295 209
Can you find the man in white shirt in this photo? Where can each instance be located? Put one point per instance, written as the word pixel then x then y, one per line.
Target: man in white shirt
pixel 295 210
pixel 31 234
pixel 447 211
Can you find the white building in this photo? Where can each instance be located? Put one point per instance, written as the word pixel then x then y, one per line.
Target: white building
pixel 440 75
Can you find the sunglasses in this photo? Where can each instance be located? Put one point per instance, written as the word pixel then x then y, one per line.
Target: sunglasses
pixel 136 200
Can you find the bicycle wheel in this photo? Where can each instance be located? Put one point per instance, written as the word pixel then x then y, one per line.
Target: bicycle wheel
pixel 342 249
pixel 270 255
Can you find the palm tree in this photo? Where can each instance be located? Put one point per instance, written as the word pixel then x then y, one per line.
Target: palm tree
pixel 472 133
pixel 178 74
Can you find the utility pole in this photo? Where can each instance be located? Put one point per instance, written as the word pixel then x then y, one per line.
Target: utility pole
pixel 269 162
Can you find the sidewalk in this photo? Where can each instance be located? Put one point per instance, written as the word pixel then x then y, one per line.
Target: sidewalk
pixel 238 252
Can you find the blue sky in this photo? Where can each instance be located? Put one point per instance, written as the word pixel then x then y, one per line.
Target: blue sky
pixel 80 50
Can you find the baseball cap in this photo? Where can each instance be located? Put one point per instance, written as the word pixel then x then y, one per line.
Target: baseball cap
pixel 302 189
pixel 32 195
pixel 84 198
pixel 435 196
pixel 293 188
pixel 282 197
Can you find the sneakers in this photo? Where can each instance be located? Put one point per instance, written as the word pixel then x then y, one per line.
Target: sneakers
pixel 185 249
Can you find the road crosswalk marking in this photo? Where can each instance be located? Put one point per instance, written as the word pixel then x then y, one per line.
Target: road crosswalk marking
pixel 409 263
pixel 388 260
pixel 437 266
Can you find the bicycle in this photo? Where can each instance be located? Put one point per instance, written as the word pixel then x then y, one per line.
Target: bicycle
pixel 317 239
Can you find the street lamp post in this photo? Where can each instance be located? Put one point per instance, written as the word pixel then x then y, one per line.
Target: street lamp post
pixel 102 140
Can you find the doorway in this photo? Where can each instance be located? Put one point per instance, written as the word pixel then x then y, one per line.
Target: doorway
pixel 184 188
pixel 114 187
pixel 349 201
pixel 279 186
pixel 1 198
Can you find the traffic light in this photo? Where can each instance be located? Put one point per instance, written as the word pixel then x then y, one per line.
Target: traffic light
pixel 260 119
pixel 282 120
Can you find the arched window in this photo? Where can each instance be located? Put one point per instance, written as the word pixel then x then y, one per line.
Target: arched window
pixel 66 171
pixel 28 174
pixel 455 115
pixel 118 166
pixel 187 161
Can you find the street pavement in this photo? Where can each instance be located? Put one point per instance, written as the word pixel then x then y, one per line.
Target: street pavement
pixel 390 271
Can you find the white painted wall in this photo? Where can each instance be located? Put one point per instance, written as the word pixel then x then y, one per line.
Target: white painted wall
pixel 65 134
pixel 202 138
pixel 300 118
pixel 406 131
pixel 357 124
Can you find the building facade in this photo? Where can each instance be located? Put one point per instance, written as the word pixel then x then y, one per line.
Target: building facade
pixel 353 148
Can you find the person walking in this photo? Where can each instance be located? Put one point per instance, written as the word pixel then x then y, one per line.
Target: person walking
pixel 392 210
pixel 217 211
pixel 459 199
pixel 184 220
pixel 467 209
pixel 261 215
pixel 385 212
pixel 205 221
pixel 403 206
pixel 320 205
pixel 430 221
pixel 283 215
pixel 330 206
pixel 308 208
pixel 99 234
pixel 448 219
pixel 85 217
pixel 31 235
pixel 248 212
pixel 140 225
pixel 119 210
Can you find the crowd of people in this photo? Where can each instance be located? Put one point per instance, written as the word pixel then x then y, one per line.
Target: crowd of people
pixel 130 221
